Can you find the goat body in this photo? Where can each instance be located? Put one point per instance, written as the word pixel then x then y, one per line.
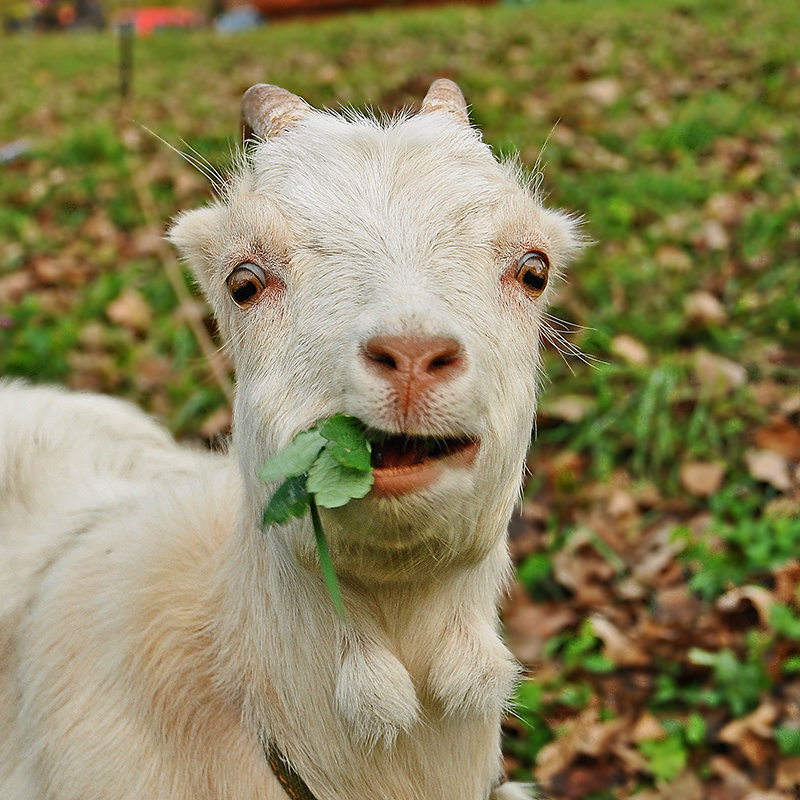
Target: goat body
pixel 153 639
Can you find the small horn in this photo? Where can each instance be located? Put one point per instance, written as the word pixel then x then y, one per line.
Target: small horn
pixel 268 110
pixel 444 95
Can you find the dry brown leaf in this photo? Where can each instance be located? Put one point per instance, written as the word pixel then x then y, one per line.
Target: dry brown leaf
pixel 100 227
pixel 754 748
pixel 787 581
pixel 93 336
pixel 780 437
pixel 686 786
pixel 658 553
pixel 152 371
pixel 791 404
pixel 647 727
pixel 187 182
pixel 629 349
pixel 147 241
pixel 704 308
pixel 725 208
pixel 603 91
pixel 678 607
pixel 759 723
pixel 617 646
pixel 586 777
pixel 717 374
pixel 712 236
pixel 769 467
pixel 581 568
pixel 130 310
pixel 216 423
pixel 674 258
pixel 761 599
pixel 529 625
pixel 570 408
pixel 622 504
pixel 767 393
pixel 787 777
pixel 735 783
pixel 14 287
pixel 702 478
pixel 586 736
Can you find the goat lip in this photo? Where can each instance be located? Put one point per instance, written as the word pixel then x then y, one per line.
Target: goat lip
pixel 410 470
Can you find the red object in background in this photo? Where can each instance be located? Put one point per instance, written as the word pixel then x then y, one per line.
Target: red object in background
pixel 147 20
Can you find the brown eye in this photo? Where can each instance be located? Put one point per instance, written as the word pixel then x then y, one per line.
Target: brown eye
pixel 532 271
pixel 246 283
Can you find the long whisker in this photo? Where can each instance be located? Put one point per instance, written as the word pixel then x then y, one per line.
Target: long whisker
pixel 201 164
pixel 556 338
pixel 565 325
pixel 210 169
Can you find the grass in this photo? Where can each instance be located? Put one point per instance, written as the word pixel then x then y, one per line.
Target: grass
pixel 670 126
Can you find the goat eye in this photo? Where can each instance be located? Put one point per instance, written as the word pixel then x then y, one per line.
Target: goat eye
pixel 532 272
pixel 246 284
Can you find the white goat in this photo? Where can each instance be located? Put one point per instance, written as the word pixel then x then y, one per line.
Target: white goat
pixel 154 642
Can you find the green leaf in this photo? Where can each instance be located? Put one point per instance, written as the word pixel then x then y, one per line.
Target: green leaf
pixel 325 561
pixel 784 622
pixel 334 485
pixel 597 662
pixel 792 665
pixel 346 441
pixel 295 459
pixel 291 499
pixel 695 729
pixel 788 740
pixel 667 757
pixel 327 465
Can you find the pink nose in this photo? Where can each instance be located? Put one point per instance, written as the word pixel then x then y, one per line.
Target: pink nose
pixel 414 366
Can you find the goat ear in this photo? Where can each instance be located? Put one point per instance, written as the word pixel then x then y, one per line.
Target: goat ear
pixel 194 233
pixel 444 95
pixel 268 110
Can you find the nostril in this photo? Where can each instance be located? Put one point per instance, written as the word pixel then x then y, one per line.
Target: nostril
pixel 408 355
pixel 379 355
pixel 449 357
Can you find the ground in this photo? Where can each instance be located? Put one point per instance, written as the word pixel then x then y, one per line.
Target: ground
pixel 656 607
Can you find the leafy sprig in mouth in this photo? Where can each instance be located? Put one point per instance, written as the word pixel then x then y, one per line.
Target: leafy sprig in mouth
pixel 327 465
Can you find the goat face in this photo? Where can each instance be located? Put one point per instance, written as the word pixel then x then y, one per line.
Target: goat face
pixel 396 272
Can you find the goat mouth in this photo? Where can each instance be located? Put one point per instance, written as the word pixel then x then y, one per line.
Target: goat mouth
pixel 402 463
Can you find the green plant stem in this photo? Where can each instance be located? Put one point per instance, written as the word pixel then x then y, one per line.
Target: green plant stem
pixel 326 563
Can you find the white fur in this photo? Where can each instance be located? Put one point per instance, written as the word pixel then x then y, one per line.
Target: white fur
pixel 151 636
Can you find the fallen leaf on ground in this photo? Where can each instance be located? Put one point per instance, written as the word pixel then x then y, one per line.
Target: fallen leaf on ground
pixel 759 598
pixel 130 310
pixel 780 437
pixel 718 374
pixel 570 408
pixel 617 646
pixel 629 349
pixel 769 467
pixel 586 736
pixel 704 308
pixel 702 478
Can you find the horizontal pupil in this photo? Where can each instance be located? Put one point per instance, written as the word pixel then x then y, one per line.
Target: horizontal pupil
pixel 244 292
pixel 533 280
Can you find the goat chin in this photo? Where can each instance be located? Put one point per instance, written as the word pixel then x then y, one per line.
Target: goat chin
pixel 153 638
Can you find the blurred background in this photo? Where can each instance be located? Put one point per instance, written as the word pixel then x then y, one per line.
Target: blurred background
pixel 656 607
